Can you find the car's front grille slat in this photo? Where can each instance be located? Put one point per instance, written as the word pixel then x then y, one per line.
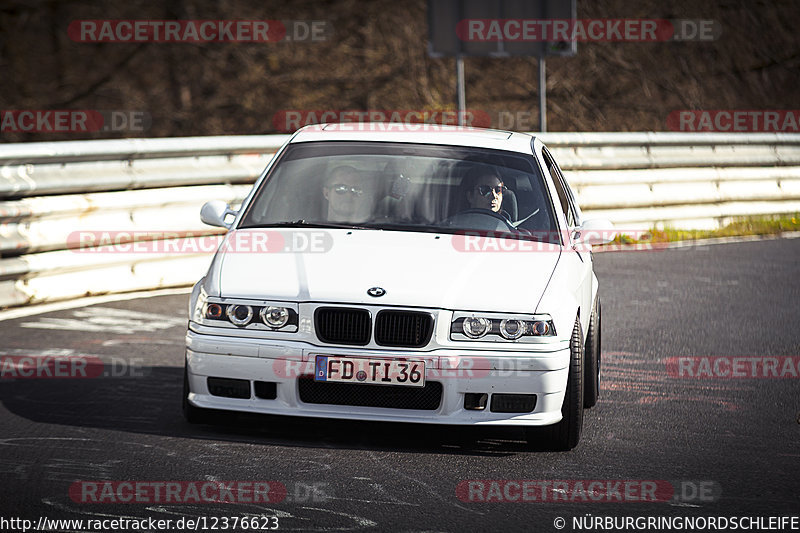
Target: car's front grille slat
pixel 353 326
pixel 403 328
pixel 343 325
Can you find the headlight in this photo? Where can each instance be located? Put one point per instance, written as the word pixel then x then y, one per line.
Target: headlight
pixel 496 327
pixel 274 317
pixel 240 315
pixel 512 329
pixel 540 327
pixel 213 311
pixel 476 327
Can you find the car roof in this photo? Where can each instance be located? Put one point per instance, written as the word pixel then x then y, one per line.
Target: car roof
pixel 416 133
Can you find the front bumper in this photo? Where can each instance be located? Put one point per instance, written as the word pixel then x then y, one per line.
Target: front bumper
pixel 458 371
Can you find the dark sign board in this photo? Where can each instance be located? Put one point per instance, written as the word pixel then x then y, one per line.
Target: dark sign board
pixel 498 28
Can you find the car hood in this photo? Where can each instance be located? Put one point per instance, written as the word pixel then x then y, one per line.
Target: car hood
pixel 435 270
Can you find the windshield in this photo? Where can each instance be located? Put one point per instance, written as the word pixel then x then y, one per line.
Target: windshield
pixel 404 187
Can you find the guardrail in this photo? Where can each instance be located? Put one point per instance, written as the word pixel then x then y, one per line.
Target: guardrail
pixel 681 180
pixel 48 191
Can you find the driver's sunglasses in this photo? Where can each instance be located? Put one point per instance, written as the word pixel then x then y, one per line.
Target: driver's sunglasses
pixel 486 190
pixel 341 188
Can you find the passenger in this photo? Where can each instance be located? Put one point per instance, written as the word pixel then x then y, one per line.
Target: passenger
pixel 351 198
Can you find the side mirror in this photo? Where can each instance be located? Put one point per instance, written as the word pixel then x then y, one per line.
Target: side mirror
pixel 595 231
pixel 214 212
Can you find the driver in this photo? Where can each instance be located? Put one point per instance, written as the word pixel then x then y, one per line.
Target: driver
pixel 351 198
pixel 484 190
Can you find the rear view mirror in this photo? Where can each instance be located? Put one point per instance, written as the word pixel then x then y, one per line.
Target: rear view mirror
pixel 595 231
pixel 214 212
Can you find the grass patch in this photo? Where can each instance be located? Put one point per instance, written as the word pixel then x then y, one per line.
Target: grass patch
pixel 740 226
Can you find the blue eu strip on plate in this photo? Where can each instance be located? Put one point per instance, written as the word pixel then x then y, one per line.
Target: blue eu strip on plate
pixel 321 373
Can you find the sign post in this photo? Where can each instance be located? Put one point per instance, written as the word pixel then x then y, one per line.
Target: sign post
pixel 542 96
pixel 450 34
pixel 461 90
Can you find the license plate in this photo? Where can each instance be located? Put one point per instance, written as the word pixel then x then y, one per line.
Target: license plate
pixel 371 371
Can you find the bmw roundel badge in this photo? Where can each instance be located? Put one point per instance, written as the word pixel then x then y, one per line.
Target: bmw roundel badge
pixel 376 292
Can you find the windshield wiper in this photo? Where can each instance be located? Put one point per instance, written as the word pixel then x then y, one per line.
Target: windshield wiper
pixel 428 228
pixel 303 224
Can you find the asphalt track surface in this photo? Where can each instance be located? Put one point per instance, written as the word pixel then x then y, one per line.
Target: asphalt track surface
pixel 724 447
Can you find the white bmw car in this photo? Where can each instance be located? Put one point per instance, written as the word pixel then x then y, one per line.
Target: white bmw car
pixel 435 275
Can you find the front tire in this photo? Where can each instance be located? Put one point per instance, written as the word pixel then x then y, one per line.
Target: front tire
pixel 566 434
pixel 591 376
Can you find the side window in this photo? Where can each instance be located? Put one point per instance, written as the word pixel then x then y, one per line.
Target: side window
pixel 564 194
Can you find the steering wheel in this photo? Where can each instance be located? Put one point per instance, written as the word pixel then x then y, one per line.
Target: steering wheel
pixel 479 216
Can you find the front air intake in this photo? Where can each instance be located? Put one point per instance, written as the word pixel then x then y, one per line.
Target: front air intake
pixel 229 388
